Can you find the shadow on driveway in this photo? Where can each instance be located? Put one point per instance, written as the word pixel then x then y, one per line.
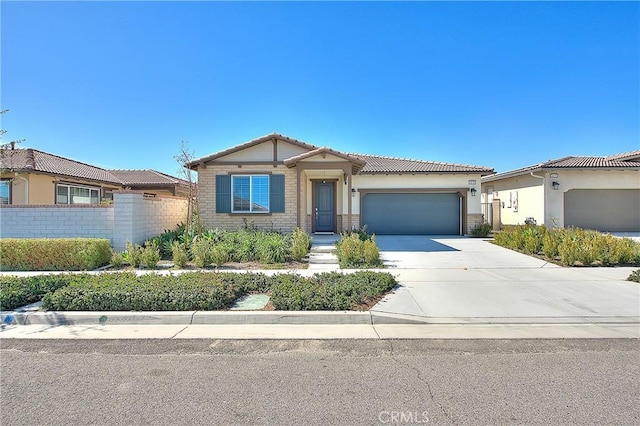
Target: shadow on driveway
pixel 413 243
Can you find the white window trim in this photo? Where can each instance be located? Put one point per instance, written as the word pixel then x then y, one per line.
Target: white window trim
pixel 72 185
pixel 251 211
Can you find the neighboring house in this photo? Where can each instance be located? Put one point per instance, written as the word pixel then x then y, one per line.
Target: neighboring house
pixel 601 193
pixel 282 183
pixel 33 177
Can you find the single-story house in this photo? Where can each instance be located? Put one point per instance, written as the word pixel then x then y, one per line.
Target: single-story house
pixel 277 182
pixel 601 193
pixel 32 177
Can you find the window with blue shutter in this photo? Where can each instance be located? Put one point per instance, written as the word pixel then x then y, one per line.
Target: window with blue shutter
pixel 250 194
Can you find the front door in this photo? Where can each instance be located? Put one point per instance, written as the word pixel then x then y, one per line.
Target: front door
pixel 324 207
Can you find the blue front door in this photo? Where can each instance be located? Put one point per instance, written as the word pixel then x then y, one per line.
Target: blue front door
pixel 324 207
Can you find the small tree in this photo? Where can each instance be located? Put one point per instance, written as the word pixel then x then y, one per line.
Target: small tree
pixel 6 164
pixel 184 157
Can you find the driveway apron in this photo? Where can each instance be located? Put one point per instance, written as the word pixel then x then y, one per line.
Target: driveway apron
pixel 457 279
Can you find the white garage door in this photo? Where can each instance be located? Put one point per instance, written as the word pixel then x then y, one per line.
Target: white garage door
pixel 611 210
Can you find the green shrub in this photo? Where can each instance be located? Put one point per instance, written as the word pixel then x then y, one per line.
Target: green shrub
pixel 329 291
pixel 202 252
pixel 219 254
pixel 371 252
pixel 117 259
pixel 482 230
pixel 242 245
pixel 150 255
pixel 126 291
pixel 133 254
pixel 19 291
pixel 354 252
pixel 165 240
pixel 179 254
pixel 55 254
pixel 635 276
pixel 572 246
pixel 273 248
pixel 300 244
pixel 550 243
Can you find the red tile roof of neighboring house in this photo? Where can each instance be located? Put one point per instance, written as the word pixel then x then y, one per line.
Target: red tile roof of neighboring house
pixel 146 177
pixel 617 161
pixel 33 160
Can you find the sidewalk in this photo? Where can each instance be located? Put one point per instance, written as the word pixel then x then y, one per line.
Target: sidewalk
pixel 325 331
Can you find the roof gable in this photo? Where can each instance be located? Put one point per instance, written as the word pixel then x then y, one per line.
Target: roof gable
pixel 245 145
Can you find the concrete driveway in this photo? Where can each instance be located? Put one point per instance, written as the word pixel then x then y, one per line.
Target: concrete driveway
pixel 457 279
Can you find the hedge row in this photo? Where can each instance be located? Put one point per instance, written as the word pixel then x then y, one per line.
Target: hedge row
pixel 53 254
pixel 329 291
pixel 125 291
pixel 20 291
pixel 571 246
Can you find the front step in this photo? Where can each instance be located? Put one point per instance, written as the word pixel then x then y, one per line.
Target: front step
pixel 323 248
pixel 322 258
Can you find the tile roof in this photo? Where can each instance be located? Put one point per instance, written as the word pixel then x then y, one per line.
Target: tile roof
pixel 617 161
pixel 146 177
pixel 28 159
pixel 374 163
pixel 33 160
pixel 381 164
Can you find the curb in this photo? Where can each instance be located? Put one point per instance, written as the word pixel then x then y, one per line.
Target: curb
pixel 277 318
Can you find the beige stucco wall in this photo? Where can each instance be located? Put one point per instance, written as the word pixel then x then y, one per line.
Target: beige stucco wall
pixel 520 197
pixel 537 198
pixel 430 181
pixel 285 222
pixel 264 152
pixel 584 179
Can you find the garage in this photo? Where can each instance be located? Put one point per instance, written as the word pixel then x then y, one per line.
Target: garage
pixel 411 213
pixel 611 210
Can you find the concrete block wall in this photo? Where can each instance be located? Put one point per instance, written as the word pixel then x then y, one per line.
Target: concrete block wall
pixel 137 218
pixel 285 222
pixel 56 221
pixel 131 217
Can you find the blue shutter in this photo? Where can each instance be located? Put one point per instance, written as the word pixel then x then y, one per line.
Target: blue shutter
pixel 223 194
pixel 276 193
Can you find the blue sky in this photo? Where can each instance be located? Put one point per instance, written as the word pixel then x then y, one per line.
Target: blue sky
pixel 120 84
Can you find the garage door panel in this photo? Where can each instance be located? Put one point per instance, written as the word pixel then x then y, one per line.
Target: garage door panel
pixel 411 213
pixel 611 210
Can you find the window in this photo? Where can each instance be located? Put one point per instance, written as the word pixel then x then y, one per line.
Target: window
pixel 70 194
pixel 250 193
pixel 5 191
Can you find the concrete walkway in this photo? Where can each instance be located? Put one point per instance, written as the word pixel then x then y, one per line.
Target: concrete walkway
pixel 322 256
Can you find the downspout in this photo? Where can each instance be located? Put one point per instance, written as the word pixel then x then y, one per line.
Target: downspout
pixel 26 187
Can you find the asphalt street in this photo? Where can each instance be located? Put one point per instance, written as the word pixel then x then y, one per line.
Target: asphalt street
pixel 319 382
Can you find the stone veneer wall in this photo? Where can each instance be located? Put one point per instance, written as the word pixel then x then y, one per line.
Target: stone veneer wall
pixel 285 222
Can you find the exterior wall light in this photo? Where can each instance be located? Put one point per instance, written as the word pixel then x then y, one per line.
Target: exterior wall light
pixel 473 192
pixel 555 185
